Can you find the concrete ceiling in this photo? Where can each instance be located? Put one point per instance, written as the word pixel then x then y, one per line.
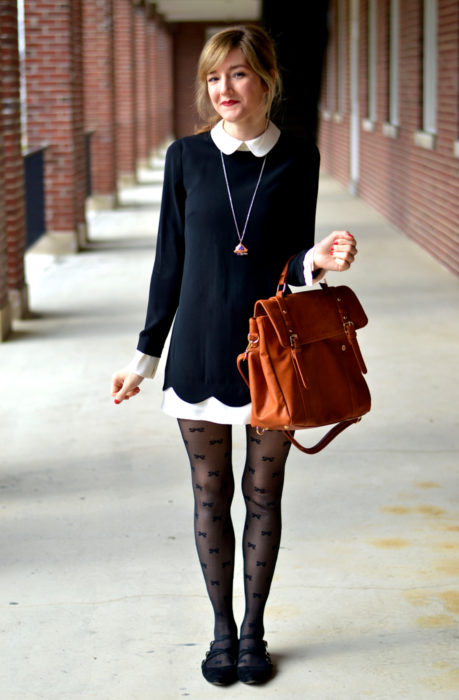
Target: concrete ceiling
pixel 208 10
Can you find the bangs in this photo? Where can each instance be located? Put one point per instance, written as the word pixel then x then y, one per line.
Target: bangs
pixel 211 59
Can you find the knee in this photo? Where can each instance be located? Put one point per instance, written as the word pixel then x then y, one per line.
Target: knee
pixel 212 490
pixel 261 498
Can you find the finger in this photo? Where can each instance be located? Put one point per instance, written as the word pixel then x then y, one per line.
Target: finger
pixel 343 237
pixel 342 234
pixel 343 261
pixel 122 394
pixel 117 381
pixel 346 256
pixel 127 391
pixel 345 243
pixel 342 264
pixel 116 386
pixel 344 252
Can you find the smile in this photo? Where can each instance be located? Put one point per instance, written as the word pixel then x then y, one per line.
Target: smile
pixel 229 103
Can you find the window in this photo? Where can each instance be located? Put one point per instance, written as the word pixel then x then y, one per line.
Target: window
pixel 372 63
pixel 335 63
pixel 426 137
pixel 390 128
pixel 341 59
pixel 327 107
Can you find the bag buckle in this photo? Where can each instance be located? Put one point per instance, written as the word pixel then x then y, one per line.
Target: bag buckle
pixel 293 338
pixel 253 340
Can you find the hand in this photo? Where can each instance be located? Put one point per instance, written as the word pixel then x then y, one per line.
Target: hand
pixel 335 252
pixel 125 384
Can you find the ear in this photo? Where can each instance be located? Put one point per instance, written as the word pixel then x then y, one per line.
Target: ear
pixel 273 74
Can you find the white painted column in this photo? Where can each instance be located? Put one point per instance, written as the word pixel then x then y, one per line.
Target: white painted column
pixel 354 165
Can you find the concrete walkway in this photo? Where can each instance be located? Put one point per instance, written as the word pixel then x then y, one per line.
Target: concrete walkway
pixel 100 590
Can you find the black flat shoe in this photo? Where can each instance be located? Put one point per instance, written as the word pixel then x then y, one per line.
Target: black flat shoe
pixel 217 673
pixel 262 670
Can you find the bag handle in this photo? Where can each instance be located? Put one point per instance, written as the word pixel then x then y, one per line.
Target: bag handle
pixel 240 359
pixel 323 442
pixel 281 287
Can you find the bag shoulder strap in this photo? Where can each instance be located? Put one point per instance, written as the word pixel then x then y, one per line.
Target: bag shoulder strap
pixel 327 438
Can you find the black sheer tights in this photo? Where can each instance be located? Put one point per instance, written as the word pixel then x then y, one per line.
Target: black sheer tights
pixel 209 451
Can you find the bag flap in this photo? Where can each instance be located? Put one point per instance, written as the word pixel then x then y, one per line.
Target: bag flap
pixel 312 315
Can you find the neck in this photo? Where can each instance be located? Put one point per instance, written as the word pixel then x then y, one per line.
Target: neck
pixel 246 132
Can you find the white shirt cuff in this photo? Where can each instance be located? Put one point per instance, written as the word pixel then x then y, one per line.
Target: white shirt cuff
pixel 144 365
pixel 309 268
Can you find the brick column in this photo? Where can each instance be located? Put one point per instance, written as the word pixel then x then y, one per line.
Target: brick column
pixel 99 85
pixel 143 84
pixel 55 116
pixel 5 322
pixel 125 90
pixel 164 84
pixel 153 91
pixel 14 188
pixel 160 48
pixel 189 38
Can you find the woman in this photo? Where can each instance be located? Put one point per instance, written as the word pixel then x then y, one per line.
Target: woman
pixel 239 199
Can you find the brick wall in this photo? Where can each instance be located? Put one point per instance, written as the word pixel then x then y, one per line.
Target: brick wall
pixel 161 76
pixel 14 202
pixel 4 306
pixel 164 80
pixel 188 40
pixel 55 106
pixel 99 94
pixel 3 266
pixel 3 270
pixel 414 187
pixel 335 121
pixel 151 50
pixel 142 84
pixel 78 140
pixel 126 107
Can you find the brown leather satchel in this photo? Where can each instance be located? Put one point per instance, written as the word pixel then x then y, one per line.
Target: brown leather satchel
pixel 304 363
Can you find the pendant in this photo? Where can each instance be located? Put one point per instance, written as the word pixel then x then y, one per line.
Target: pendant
pixel 240 249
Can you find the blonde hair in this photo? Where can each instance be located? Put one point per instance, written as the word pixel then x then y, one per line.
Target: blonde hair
pixel 258 49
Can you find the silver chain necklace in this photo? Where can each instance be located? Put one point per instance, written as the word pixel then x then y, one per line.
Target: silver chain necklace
pixel 240 249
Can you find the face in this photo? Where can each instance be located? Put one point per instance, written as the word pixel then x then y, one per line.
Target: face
pixel 237 93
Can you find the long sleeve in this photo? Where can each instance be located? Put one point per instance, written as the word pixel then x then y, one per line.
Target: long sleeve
pixel 168 267
pixel 144 365
pixel 307 220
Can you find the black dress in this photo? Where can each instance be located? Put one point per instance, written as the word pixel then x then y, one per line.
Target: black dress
pixel 196 276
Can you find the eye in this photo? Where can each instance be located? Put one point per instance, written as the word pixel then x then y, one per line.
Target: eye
pixel 239 74
pixel 212 79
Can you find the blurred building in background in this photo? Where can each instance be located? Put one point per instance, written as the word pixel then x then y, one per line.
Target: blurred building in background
pixel 91 89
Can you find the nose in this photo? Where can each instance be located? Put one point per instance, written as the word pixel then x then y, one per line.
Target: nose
pixel 226 84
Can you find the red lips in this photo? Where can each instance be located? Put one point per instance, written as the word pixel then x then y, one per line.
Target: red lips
pixel 229 103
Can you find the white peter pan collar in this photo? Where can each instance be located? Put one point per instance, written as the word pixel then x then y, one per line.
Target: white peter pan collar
pixel 259 146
